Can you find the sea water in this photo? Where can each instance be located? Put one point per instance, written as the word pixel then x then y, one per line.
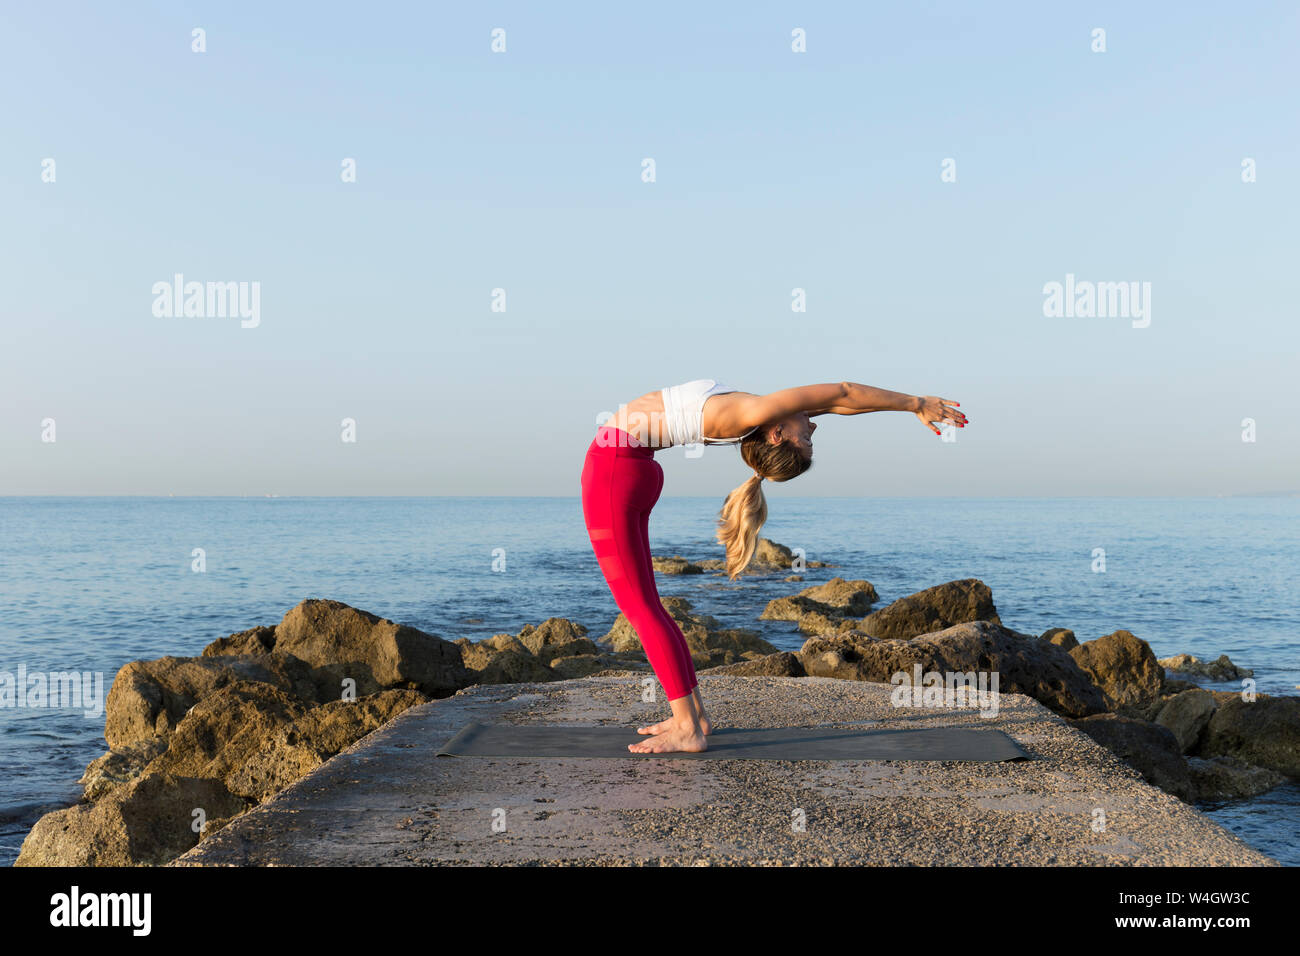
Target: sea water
pixel 87 584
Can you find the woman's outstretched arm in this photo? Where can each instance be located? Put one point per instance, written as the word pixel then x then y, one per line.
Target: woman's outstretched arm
pixel 846 398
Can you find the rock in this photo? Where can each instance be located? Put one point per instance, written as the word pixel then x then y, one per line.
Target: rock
pixel 1061 637
pixel 1186 714
pixel 1218 670
pixel 556 637
pixel 118 767
pixel 586 665
pixel 1125 669
pixel 147 821
pixel 1025 665
pixel 148 698
pixel 1148 748
pixel 257 640
pixel 781 664
pixel 812 617
pixel 502 659
pixel 294 750
pixel 341 642
pixel 225 729
pixel 794 577
pixel 675 565
pixel 1174 686
pixel 849 597
pixel 936 608
pixel 710 643
pixel 823 608
pixel 768 557
pixel 1227 778
pixel 1264 732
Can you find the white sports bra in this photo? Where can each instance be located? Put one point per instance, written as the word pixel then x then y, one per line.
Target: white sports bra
pixel 684 412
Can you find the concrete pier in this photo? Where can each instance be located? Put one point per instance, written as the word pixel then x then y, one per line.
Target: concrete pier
pixel 389 801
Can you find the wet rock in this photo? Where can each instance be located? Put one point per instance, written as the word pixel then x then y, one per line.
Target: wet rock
pixel 1147 747
pixel 1264 732
pixel 1025 665
pixel 824 608
pixel 768 557
pixel 676 565
pixel 1187 714
pixel 1126 670
pixel 1221 669
pixel 936 608
pixel 1218 779
pixel 342 642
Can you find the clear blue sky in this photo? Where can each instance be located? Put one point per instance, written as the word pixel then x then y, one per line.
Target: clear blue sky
pixel 522 171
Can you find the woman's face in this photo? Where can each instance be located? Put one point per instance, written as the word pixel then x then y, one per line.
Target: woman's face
pixel 797 428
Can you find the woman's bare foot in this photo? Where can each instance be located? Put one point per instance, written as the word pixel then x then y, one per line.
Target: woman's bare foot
pixel 706 725
pixel 676 738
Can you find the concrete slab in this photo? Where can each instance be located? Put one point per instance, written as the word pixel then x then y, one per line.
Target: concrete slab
pixel 389 801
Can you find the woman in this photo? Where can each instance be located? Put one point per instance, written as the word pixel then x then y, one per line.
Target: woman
pixel 621 482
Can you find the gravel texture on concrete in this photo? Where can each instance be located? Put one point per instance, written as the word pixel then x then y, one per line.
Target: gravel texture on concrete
pixel 388 800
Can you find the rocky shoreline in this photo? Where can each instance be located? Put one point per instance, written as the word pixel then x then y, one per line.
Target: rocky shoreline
pixel 197 741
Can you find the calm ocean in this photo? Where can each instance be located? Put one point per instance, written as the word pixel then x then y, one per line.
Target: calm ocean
pixel 88 584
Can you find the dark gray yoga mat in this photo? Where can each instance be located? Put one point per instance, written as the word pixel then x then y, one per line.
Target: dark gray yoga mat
pixel 731 743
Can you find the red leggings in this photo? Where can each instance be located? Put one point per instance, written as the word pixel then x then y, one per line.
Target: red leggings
pixel 621 482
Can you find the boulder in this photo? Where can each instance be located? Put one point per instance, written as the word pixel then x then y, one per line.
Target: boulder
pixel 676 565
pixel 1187 714
pixel 1148 748
pixel 1024 664
pixel 342 642
pixel 936 608
pixel 118 767
pixel 257 640
pixel 502 659
pixel 148 698
pixel 586 665
pixel 1264 732
pixel 780 664
pixel 849 597
pixel 147 821
pixel 710 643
pixel 823 608
pixel 1126 670
pixel 1221 669
pixel 556 637
pixel 812 617
pixel 293 750
pixel 768 557
pixel 225 729
pixel 1218 779
pixel 1061 637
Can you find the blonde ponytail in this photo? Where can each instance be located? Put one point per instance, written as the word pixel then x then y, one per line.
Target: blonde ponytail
pixel 743 515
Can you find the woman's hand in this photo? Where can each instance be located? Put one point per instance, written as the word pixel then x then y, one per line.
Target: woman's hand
pixel 941 410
